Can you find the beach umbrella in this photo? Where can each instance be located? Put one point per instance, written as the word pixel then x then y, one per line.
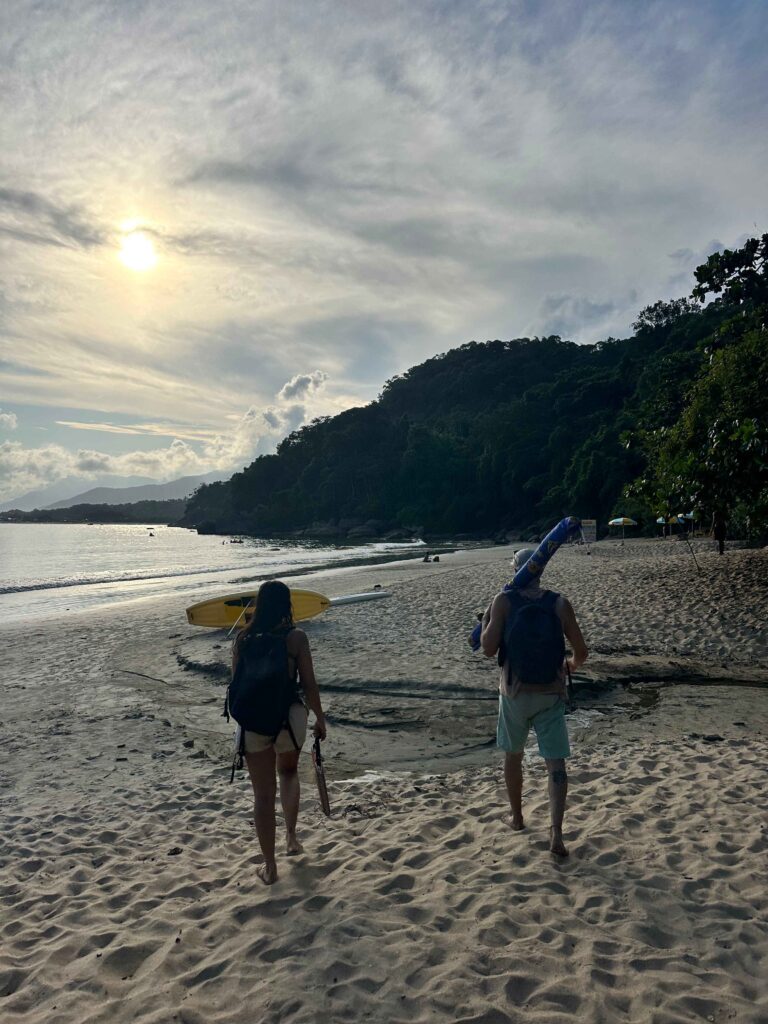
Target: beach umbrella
pixel 622 521
pixel 687 517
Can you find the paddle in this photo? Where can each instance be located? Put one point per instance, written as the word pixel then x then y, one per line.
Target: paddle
pixel 322 789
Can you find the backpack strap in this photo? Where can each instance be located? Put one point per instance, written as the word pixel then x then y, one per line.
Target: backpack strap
pixel 291 733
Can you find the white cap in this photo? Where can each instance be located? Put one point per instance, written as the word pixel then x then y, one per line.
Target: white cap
pixel 522 556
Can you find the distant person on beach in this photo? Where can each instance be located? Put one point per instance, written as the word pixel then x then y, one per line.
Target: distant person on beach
pixel 525 629
pixel 719 529
pixel 271 634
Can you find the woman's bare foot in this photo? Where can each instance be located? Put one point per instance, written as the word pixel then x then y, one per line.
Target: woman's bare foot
pixel 292 845
pixel 516 822
pixel 556 844
pixel 267 873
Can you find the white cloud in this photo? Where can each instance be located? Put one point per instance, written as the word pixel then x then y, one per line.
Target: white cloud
pixel 23 468
pixel 257 431
pixel 301 385
pixel 185 432
pixel 8 421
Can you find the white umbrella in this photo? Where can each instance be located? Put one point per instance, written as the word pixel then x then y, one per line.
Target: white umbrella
pixel 622 521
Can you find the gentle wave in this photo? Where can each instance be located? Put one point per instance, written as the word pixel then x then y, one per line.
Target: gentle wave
pixel 94 581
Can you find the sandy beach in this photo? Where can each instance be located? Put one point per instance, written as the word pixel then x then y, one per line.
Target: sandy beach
pixel 127 882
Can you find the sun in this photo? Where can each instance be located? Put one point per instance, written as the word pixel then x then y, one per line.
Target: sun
pixel 137 251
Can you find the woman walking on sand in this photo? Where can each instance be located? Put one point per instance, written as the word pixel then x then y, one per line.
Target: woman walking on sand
pixel 271 639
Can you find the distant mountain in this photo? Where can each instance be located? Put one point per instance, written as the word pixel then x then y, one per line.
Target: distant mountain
pixel 168 512
pixel 43 496
pixel 181 488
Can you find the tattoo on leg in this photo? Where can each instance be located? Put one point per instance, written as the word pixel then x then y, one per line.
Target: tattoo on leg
pixel 560 777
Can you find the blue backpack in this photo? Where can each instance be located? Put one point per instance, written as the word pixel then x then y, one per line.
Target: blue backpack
pixel 534 646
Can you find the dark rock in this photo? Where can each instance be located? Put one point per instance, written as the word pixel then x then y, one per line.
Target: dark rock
pixel 349 524
pixel 361 531
pixel 190 743
pixel 175 851
pixel 329 529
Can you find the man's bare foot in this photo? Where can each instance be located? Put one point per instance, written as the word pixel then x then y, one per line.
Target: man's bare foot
pixel 292 845
pixel 556 844
pixel 267 873
pixel 516 822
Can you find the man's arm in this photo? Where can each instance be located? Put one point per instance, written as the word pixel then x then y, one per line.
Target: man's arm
pixel 493 626
pixel 573 635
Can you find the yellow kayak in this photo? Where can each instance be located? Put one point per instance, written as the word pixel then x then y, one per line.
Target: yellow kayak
pixel 224 612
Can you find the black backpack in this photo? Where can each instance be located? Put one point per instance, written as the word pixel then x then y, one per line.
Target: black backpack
pixel 262 689
pixel 534 646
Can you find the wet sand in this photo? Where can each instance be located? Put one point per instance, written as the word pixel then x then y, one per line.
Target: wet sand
pixel 127 869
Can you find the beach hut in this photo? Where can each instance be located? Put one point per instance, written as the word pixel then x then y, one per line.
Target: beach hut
pixel 623 522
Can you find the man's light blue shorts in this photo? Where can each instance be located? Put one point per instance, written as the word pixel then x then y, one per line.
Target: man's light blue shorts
pixel 545 712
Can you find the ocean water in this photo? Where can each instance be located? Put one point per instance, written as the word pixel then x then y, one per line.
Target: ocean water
pixel 49 569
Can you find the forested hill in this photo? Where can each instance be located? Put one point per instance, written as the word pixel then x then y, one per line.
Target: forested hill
pixel 501 435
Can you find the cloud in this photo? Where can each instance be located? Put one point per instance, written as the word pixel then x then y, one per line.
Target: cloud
pixel 302 384
pixel 186 433
pixel 686 260
pixel 566 314
pixel 8 420
pixel 31 217
pixel 23 468
pixel 256 432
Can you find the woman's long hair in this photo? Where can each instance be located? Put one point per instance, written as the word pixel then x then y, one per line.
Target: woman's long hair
pixel 273 609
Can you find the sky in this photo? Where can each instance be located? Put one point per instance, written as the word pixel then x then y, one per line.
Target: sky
pixel 221 218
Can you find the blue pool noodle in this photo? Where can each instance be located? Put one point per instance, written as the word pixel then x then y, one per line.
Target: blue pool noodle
pixel 565 530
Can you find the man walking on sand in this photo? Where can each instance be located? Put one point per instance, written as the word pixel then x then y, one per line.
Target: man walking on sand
pixel 525 628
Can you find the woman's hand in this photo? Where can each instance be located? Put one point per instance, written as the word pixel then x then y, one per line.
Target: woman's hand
pixel 319 730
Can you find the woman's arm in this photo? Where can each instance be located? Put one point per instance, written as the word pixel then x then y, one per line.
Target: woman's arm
pixel 309 683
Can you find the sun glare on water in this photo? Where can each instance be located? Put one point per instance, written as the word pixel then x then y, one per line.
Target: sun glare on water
pixel 137 251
